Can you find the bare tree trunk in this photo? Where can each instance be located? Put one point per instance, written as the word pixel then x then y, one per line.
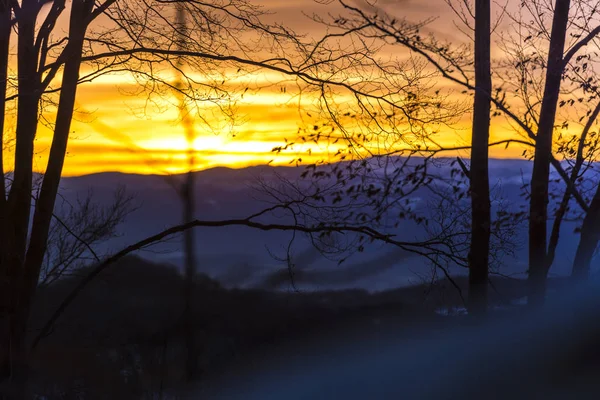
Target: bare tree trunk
pixel 24 266
pixel 590 236
pixel 479 177
pixel 538 205
pixel 19 198
pixel 45 203
pixel 17 208
pixel 188 205
pixel 5 15
pixel 190 273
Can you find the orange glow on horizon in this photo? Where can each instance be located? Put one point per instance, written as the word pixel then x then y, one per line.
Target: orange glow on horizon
pixel 114 130
pixel 112 139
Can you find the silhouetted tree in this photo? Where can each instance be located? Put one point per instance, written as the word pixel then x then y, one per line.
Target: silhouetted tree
pixel 22 252
pixel 554 101
pixel 538 209
pixel 478 175
pixel 452 63
pixel 373 23
pixel 49 64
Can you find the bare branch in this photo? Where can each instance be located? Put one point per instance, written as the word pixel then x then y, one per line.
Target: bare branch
pixel 365 230
pixel 583 42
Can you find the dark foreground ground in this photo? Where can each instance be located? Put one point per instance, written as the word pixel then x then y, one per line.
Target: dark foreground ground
pixel 122 339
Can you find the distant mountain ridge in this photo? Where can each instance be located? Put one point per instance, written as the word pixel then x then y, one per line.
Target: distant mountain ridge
pixel 239 256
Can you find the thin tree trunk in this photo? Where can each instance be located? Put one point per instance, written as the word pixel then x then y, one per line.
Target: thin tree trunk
pixel 19 198
pixel 538 205
pixel 479 177
pixel 564 203
pixel 47 197
pixel 16 211
pixel 190 273
pixel 26 266
pixel 5 12
pixel 188 205
pixel 588 241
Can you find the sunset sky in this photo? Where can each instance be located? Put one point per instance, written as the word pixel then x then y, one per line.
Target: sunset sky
pixel 111 133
